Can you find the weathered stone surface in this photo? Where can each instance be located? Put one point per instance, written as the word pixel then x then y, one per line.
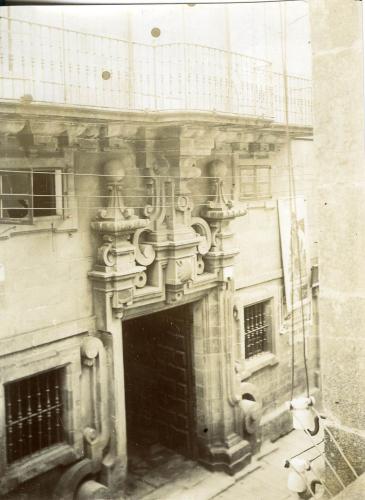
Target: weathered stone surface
pixel 46 279
pixel 354 491
pixel 339 155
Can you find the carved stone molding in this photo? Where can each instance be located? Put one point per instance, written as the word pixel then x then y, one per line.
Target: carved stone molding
pixel 117 256
pixel 220 208
pixel 11 127
pixel 97 434
pixel 218 213
pixel 144 253
pixel 202 228
pixel 47 128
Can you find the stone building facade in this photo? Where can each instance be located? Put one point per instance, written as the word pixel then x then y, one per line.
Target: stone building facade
pixel 338 51
pixel 142 296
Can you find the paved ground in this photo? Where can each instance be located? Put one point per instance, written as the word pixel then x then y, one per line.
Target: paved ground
pixel 164 475
pixel 269 482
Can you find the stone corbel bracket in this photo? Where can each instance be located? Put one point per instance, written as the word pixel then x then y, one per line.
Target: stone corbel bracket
pixel 204 234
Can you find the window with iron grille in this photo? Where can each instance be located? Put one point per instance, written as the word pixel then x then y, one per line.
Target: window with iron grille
pixel 257 328
pixel 34 414
pixel 255 182
pixel 27 194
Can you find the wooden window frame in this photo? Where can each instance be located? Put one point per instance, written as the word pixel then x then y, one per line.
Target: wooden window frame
pixel 255 195
pixel 66 217
pixel 31 217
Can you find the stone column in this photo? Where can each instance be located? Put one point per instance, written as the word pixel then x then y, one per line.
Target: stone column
pixel 339 149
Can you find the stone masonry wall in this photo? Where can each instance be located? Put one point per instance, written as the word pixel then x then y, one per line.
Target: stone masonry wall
pixel 338 60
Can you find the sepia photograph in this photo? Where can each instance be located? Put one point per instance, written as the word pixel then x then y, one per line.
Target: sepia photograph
pixel 182 284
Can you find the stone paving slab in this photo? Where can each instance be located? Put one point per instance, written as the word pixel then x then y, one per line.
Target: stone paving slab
pixel 270 481
pixel 177 478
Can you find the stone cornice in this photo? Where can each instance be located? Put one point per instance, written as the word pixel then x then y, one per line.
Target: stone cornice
pixel 74 114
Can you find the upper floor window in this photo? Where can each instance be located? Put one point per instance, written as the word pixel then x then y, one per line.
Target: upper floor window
pixel 257 333
pixel 34 414
pixel 27 194
pixel 255 182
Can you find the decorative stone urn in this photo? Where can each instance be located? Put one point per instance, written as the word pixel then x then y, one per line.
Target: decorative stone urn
pixel 116 256
pixel 218 213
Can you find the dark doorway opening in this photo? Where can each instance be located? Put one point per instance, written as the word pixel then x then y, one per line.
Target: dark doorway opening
pixel 159 388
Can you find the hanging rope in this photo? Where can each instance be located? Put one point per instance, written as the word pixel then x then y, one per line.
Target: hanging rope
pixel 293 210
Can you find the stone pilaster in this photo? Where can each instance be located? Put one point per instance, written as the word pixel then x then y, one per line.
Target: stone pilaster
pixel 222 446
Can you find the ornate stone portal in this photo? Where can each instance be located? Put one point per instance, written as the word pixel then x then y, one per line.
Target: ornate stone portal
pixel 164 257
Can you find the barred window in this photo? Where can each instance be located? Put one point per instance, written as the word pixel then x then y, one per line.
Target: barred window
pixel 257 332
pixel 34 414
pixel 255 182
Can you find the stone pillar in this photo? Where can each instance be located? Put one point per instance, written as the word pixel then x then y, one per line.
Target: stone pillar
pixel 221 445
pixel 339 148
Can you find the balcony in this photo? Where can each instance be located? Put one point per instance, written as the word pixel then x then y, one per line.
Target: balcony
pixel 62 66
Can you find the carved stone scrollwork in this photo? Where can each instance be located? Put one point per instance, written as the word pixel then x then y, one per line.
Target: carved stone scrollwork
pixel 97 435
pixel 220 208
pixel 156 211
pixel 202 228
pixel 199 265
pixel 220 211
pixel 140 279
pixel 117 257
pixel 184 270
pixel 144 253
pixel 105 255
pixel 183 203
pixel 90 350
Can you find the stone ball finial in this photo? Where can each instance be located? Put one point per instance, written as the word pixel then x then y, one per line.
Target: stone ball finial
pixel 114 171
pixel 217 168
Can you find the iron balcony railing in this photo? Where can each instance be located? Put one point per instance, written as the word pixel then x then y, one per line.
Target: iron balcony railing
pixel 63 66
